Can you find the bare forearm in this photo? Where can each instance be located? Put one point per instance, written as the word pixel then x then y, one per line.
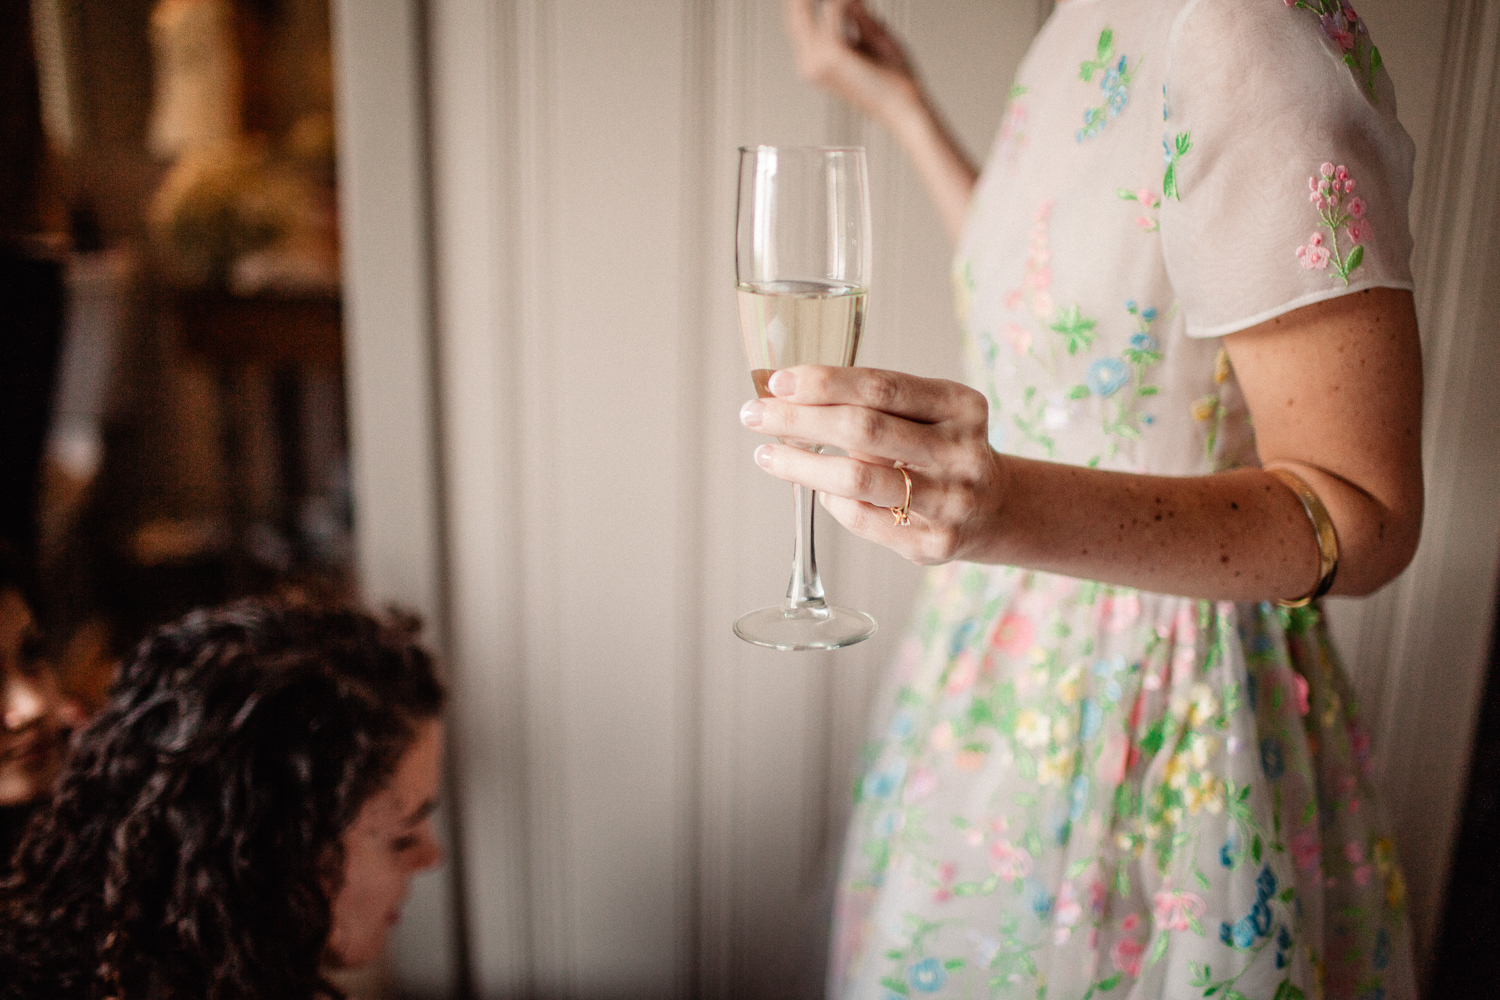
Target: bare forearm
pixel 1238 535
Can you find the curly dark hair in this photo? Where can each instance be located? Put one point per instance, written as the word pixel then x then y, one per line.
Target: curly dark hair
pixel 194 843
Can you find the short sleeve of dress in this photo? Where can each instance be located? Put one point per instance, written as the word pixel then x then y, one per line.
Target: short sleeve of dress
pixel 1287 174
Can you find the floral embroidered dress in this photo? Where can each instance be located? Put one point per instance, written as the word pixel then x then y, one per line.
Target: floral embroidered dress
pixel 1078 790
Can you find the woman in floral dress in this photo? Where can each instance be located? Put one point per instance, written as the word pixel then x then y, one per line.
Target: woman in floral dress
pixel 1107 762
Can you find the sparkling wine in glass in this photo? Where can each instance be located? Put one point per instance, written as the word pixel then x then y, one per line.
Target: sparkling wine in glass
pixel 802 263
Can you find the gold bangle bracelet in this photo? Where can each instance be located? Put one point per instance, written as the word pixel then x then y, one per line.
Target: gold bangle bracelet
pixel 1328 539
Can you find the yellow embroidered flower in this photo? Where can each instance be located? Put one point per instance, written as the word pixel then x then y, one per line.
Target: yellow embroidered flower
pixel 1068 686
pixel 1205 407
pixel 1395 890
pixel 1208 795
pixel 1222 369
pixel 1202 751
pixel 1205 704
pixel 1032 729
pixel 1055 768
pixel 1177 772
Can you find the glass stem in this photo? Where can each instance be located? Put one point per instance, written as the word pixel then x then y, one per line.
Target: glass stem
pixel 805 590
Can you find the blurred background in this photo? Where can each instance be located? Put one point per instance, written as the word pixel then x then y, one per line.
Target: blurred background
pixel 430 301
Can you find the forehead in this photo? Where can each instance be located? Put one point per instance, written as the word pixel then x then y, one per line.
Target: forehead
pixel 15 618
pixel 414 782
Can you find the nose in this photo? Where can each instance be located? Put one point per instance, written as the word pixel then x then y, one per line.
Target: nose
pixel 430 856
pixel 23 704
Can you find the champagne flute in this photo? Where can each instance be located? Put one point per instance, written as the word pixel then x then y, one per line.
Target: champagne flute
pixel 802 264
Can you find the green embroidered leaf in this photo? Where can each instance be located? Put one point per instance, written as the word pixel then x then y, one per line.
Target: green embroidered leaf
pixel 1122 881
pixel 1286 895
pixel 1078 392
pixel 1128 432
pixel 1077 868
pixel 1356 256
pixel 895 954
pixel 1289 991
pixel 1157 950
pixel 1147 390
pixel 1017 90
pixel 1234 995
pixel 1184 142
pixel 1169 182
pixel 1105 985
pixel 1194 925
pixel 953 963
pixel 1351 62
pixel 895 985
pixel 1106 43
pixel 1202 974
pixel 1202 878
pixel 1255 848
pixel 1152 741
pixel 1124 195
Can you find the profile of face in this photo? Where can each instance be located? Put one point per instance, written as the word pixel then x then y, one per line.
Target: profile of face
pixel 31 726
pixel 390 840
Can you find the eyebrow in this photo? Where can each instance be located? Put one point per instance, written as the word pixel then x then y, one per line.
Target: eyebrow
pixel 420 813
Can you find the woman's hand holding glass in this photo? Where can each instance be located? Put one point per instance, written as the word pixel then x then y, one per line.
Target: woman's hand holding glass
pixel 936 430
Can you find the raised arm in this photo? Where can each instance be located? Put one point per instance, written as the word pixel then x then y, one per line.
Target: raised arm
pixel 1335 393
pixel 845 50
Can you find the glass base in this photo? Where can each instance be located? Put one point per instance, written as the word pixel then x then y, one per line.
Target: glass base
pixel 807 627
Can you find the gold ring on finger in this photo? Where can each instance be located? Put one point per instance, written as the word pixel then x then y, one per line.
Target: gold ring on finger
pixel 902 514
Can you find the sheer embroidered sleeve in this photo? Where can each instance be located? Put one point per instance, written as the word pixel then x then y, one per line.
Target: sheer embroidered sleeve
pixel 1287 174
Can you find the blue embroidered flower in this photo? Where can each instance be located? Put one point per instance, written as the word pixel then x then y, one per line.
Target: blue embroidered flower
pixel 1271 759
pixel 1090 717
pixel 1078 797
pixel 1117 99
pixel 1265 884
pixel 1227 852
pixel 1038 897
pixel 1106 671
pixel 1107 375
pixel 926 976
pixel 1260 919
pixel 882 784
pixel 1093 123
pixel 961 637
pixel 1382 956
pixel 1144 341
pixel 903 724
pixel 1239 935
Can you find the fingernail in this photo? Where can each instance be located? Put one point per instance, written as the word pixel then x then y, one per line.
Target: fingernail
pixel 763 456
pixel 782 383
pixel 752 413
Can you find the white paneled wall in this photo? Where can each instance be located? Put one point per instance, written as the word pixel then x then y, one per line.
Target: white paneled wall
pixel 645 805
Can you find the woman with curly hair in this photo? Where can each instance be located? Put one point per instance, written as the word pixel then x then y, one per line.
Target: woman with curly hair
pixel 246 810
pixel 35 719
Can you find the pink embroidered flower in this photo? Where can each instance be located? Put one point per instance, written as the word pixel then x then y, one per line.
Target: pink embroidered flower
pixel 1349 185
pixel 1145 222
pixel 1341 172
pixel 1013 634
pixel 1358 230
pixel 1357 207
pixel 1307 849
pixel 1147 198
pixel 1068 912
pixel 1313 256
pixel 1315 240
pixel 1112 757
pixel 1319 202
pixel 1326 169
pixel 1175 909
pixel 1299 688
pixel 1354 851
pixel 1126 954
pixel 1130 923
pixel 1362 876
pixel 921 784
pixel 1097 894
pixel 1009 861
pixel 1019 338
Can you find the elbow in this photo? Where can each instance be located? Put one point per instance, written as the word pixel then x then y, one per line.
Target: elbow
pixel 1388 550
